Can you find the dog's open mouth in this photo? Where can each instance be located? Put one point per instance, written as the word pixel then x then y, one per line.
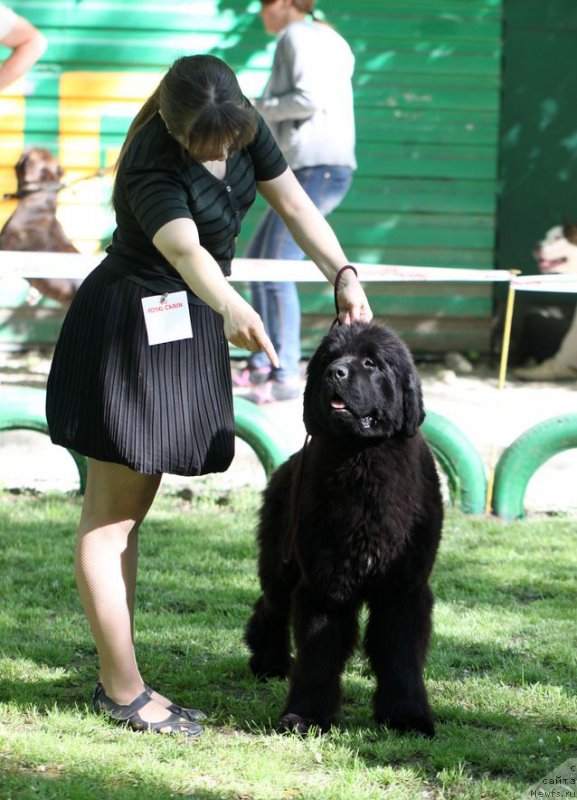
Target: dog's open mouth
pixel 338 406
pixel 551 264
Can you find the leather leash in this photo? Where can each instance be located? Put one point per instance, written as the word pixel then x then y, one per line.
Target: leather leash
pixel 288 543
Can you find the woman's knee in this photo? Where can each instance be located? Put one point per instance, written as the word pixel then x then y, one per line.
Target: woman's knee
pixel 115 492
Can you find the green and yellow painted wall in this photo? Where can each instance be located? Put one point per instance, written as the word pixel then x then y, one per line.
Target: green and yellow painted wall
pixel 428 90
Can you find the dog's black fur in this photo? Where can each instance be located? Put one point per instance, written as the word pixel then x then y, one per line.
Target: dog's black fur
pixel 353 518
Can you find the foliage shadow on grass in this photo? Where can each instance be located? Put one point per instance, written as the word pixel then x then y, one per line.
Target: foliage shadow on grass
pixel 196 589
pixel 29 783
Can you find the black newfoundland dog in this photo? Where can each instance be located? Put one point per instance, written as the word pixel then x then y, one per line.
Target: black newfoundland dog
pixel 355 517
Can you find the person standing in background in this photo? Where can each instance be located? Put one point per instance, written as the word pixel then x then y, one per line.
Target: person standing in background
pixel 308 105
pixel 25 41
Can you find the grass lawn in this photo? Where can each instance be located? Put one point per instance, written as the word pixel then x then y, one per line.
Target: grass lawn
pixel 502 669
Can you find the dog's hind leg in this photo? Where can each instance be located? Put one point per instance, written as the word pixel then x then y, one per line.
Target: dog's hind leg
pixel 396 642
pixel 325 638
pixel 268 635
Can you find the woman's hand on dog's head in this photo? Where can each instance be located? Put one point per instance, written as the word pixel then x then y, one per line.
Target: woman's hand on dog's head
pixel 352 301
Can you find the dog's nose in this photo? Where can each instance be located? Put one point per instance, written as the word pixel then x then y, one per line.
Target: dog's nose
pixel 339 370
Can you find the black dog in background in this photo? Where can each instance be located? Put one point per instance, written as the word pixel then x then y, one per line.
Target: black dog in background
pixel 355 517
pixel 541 319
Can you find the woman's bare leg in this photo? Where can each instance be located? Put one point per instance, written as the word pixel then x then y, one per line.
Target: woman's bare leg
pixel 116 501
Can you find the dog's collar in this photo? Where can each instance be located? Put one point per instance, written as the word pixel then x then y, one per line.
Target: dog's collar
pixel 53 186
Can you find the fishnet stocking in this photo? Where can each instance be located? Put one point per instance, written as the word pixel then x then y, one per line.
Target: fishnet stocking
pixel 116 501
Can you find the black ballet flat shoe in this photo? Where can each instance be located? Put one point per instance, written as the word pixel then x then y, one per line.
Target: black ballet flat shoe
pixel 129 716
pixel 193 714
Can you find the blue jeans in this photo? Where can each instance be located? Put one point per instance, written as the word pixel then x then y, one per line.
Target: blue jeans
pixel 278 303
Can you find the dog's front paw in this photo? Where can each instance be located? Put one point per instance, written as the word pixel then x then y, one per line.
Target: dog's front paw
pixel 293 723
pixel 408 722
pixel 264 670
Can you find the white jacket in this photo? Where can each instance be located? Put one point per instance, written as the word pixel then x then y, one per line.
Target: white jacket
pixel 308 99
pixel 7 20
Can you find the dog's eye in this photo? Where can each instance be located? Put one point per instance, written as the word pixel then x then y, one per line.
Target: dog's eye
pixel 368 363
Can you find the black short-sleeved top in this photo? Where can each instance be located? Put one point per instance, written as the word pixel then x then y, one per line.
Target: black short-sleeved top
pixel 158 181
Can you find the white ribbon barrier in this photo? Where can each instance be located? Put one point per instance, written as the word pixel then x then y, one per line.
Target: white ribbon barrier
pixel 16 264
pixel 545 283
pixel 255 269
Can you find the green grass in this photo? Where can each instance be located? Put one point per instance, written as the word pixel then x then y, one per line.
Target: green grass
pixel 501 672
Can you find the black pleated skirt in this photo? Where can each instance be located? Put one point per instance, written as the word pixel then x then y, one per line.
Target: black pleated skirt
pixel 113 397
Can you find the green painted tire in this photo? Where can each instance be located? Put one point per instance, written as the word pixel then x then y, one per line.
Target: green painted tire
pixel 255 428
pixel 460 461
pixel 519 462
pixel 22 408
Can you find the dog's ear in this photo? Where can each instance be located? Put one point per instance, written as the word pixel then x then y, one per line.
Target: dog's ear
pixel 413 408
pixel 570 232
pixel 311 413
pixel 20 165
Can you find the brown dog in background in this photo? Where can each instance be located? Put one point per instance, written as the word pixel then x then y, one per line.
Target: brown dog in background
pixel 33 225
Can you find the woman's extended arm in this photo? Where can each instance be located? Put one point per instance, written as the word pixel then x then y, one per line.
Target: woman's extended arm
pixel 179 243
pixel 27 45
pixel 315 236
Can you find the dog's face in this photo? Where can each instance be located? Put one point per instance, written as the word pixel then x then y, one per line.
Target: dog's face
pixel 557 252
pixel 37 166
pixel 362 383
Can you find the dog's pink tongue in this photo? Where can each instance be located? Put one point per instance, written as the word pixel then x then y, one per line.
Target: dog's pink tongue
pixel 337 404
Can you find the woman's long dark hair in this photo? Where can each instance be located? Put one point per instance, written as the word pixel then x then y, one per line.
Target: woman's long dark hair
pixel 202 105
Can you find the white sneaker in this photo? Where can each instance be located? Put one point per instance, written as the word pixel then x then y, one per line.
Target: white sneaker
pixel 548 370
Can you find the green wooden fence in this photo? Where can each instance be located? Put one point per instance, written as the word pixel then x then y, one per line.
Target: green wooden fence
pixel 427 92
